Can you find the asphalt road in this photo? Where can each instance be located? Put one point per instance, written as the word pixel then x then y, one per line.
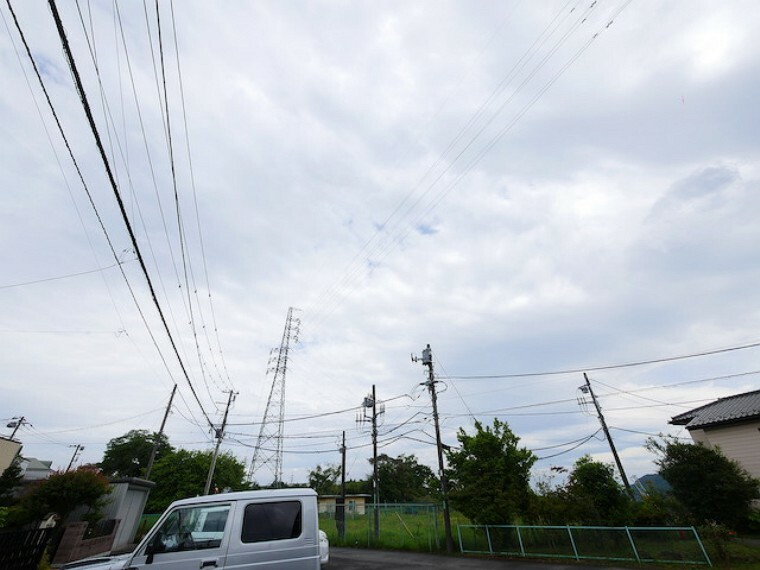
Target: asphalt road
pixel 360 559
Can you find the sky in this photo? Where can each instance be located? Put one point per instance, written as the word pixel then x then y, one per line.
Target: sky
pixel 528 187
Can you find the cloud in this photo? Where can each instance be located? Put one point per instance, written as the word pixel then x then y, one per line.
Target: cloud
pixel 371 166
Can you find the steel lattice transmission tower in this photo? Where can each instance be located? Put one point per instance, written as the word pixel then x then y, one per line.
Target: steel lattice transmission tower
pixel 268 450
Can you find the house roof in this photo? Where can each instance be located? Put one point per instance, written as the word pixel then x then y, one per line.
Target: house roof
pixel 724 410
pixel 34 463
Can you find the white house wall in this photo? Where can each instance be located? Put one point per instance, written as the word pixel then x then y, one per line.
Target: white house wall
pixel 740 442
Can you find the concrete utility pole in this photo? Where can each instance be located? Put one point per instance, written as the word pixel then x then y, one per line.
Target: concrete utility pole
pixel 370 402
pixel 427 360
pixel 77 450
pixel 340 515
pixel 219 437
pixel 587 388
pixel 375 480
pixel 157 440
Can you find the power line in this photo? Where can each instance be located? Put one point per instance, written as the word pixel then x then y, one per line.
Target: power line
pixel 581 439
pixel 315 416
pixel 114 187
pixel 389 245
pixel 85 186
pixel 608 366
pixel 576 446
pixel 648 433
pixel 67 276
pixel 85 428
pixel 197 218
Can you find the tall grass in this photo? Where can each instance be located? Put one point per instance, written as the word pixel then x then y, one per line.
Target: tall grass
pixel 403 527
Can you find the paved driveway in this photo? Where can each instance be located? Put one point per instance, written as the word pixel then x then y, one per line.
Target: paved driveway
pixel 359 559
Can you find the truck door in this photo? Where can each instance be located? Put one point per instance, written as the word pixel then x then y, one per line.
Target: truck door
pixel 188 538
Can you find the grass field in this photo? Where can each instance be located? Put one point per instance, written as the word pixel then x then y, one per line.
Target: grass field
pixel 402 527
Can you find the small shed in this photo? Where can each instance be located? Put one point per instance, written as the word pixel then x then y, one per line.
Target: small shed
pixel 355 504
pixel 126 503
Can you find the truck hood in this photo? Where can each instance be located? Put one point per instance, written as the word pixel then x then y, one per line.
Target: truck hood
pixel 99 563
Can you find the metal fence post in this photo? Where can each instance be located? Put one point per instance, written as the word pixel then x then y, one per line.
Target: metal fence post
pixel 633 545
pixel 459 534
pixel 488 537
pixel 702 546
pixel 519 539
pixel 572 541
pixel 435 527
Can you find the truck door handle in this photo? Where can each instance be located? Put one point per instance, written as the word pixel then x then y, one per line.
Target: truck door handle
pixel 206 563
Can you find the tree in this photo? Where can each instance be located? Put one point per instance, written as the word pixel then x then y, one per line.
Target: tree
pixel 360 487
pixel 595 496
pixel 61 493
pixel 403 479
pixel 709 485
pixel 127 456
pixel 323 480
pixel 489 474
pixel 181 473
pixel 9 480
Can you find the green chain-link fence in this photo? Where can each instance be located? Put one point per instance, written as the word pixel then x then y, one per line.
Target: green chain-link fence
pixel 401 526
pixel 675 545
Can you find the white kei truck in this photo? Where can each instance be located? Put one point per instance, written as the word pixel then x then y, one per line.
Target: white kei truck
pixel 275 529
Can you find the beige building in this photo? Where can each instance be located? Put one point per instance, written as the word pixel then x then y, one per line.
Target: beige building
pixel 355 504
pixel 9 448
pixel 732 424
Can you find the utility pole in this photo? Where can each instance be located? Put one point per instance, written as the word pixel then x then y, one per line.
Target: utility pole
pixel 375 480
pixel 427 360
pixel 340 514
pixel 16 423
pixel 219 437
pixel 77 450
pixel 587 389
pixel 157 439
pixel 370 402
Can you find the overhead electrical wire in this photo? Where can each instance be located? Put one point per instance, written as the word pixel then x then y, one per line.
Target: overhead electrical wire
pixel 117 195
pixel 315 416
pixel 201 242
pixel 392 244
pixel 67 276
pixel 499 135
pixel 104 424
pixel 81 220
pixel 152 172
pixel 185 256
pixel 555 446
pixel 608 366
pixel 573 448
pixel 86 187
pixel 356 265
pixel 626 393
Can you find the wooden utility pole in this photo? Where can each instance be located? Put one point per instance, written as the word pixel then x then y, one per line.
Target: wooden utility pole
pixel 219 437
pixel 157 439
pixel 607 433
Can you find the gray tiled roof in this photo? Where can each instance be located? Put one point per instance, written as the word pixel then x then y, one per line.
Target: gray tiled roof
pixel 725 410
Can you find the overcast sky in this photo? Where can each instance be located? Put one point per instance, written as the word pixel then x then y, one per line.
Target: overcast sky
pixel 527 186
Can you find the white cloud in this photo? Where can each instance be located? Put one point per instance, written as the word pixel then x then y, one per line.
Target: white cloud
pixel 613 222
